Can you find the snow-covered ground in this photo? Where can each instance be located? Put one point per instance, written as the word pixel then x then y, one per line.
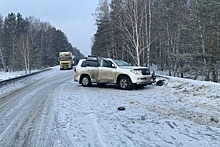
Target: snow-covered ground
pixel 8 75
pixel 182 112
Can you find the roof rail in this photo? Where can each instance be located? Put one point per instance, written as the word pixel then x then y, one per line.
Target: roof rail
pixel 92 57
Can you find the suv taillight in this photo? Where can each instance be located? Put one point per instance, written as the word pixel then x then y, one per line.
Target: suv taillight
pixel 74 69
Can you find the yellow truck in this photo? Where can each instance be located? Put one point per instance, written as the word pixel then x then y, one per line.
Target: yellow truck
pixel 66 60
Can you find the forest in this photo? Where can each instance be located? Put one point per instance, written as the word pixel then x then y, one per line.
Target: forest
pixel 179 36
pixel 28 44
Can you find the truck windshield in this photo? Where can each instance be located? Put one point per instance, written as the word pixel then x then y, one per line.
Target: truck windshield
pixel 121 63
pixel 65 58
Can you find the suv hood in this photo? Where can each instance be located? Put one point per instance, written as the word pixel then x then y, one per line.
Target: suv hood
pixel 132 67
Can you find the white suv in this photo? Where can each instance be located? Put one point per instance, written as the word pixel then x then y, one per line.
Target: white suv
pixel 110 71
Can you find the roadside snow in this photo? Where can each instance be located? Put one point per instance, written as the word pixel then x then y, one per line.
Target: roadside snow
pixel 8 75
pixel 15 85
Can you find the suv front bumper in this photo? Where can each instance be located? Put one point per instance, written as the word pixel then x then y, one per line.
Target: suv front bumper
pixel 144 79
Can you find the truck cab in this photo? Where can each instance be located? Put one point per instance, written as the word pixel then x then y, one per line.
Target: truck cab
pixel 66 60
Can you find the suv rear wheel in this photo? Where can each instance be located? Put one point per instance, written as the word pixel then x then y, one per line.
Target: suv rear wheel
pixel 86 81
pixel 125 83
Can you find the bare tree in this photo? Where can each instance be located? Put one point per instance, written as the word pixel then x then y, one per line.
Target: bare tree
pixel 148 28
pixel 24 52
pixel 133 24
pixel 1 44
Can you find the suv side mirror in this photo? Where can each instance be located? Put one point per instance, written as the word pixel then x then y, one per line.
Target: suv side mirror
pixel 113 66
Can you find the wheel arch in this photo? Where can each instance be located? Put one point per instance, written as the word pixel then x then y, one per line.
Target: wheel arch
pixel 121 75
pixel 81 77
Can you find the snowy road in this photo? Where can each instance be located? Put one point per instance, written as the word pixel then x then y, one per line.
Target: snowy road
pixel 29 115
pixel 54 111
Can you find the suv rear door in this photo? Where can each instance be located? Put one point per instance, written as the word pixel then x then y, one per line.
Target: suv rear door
pixel 92 69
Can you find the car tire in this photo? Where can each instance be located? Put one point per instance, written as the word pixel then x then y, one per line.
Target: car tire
pixel 121 108
pixel 125 83
pixel 160 83
pixel 86 81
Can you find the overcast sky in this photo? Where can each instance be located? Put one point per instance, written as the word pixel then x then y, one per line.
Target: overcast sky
pixel 73 17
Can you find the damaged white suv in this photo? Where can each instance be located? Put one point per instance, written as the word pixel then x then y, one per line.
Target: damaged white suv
pixel 109 71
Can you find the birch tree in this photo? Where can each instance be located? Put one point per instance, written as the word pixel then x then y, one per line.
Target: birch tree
pixel 33 32
pixel 118 41
pixel 148 23
pixel 24 52
pixel 1 44
pixel 133 24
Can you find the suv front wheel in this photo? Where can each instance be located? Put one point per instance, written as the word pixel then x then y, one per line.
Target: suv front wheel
pixel 86 81
pixel 125 83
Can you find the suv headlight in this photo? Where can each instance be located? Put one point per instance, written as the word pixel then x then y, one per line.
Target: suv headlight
pixel 138 72
pixel 153 75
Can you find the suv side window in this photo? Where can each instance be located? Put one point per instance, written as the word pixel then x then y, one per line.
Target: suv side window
pixel 83 64
pixel 106 63
pixel 90 63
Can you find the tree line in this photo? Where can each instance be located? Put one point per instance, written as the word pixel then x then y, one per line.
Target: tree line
pixel 181 36
pixel 27 43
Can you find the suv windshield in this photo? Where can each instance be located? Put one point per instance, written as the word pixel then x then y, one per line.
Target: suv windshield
pixel 65 58
pixel 121 63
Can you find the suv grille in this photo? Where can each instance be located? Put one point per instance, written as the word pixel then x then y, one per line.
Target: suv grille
pixel 65 65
